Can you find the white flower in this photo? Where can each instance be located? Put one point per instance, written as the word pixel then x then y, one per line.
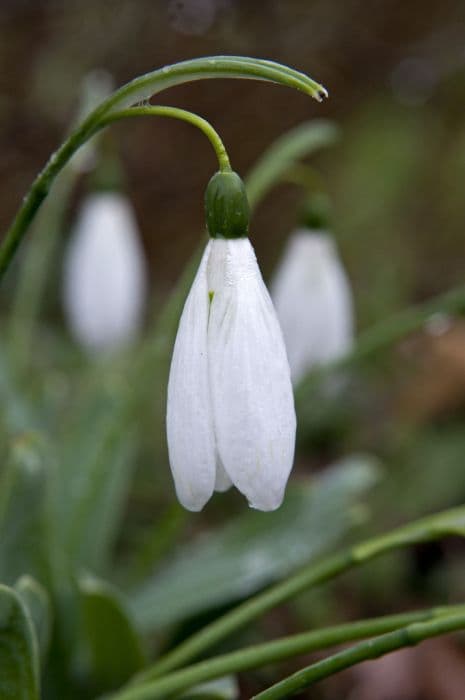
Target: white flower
pixel 313 302
pixel 230 415
pixel 105 274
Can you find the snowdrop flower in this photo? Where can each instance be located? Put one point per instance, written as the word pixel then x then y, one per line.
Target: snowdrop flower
pixel 230 414
pixel 104 275
pixel 313 301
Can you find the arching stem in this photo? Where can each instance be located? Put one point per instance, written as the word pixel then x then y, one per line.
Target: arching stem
pixel 175 113
pixel 134 93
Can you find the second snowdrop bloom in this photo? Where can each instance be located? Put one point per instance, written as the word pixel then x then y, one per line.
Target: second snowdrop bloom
pixel 313 301
pixel 105 274
pixel 230 415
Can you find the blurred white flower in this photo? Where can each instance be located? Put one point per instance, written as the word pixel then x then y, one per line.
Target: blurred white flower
pixel 313 302
pixel 230 415
pixel 105 274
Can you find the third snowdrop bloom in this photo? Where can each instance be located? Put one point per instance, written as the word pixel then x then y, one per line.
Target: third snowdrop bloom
pixel 230 415
pixel 313 301
pixel 105 275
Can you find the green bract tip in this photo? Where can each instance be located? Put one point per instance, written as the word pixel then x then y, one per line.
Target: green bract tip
pixel 226 206
pixel 315 212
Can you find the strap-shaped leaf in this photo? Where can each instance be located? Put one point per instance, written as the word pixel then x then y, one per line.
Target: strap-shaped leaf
pixel 95 468
pixel 112 651
pixel 255 548
pixel 37 602
pixel 222 689
pixel 23 536
pixel 19 664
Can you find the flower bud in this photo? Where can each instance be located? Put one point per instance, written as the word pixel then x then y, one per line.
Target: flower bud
pixel 105 279
pixel 313 301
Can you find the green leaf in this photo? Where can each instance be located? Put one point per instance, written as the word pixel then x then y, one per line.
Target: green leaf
pixel 37 602
pixel 29 529
pixel 222 689
pixel 112 651
pixel 23 536
pixel 16 414
pixel 96 466
pixel 415 480
pixel 19 665
pixel 256 548
pixel 153 545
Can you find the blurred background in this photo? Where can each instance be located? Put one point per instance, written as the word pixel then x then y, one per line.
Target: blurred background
pixel 395 72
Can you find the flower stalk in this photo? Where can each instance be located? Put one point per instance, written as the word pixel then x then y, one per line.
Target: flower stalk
pixel 450 522
pixel 175 113
pixel 281 162
pixel 408 636
pixel 138 91
pixel 260 655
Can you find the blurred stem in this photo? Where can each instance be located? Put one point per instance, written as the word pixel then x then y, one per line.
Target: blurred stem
pixel 304 176
pixel 407 636
pixel 175 113
pixel 451 522
pixel 35 269
pixel 384 334
pixel 274 652
pixel 284 154
pixel 138 91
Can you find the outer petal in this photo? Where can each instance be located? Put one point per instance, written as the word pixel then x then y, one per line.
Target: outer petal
pixel 191 442
pixel 222 480
pixel 250 382
pixel 105 274
pixel 313 301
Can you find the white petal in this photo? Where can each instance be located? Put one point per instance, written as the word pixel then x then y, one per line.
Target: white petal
pixel 105 274
pixel 253 405
pixel 222 480
pixel 313 302
pixel 191 442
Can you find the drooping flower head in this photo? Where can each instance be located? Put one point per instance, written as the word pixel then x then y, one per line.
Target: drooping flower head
pixel 105 274
pixel 312 296
pixel 230 415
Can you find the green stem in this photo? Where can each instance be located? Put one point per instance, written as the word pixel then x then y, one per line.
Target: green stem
pixel 284 155
pixel 384 334
pixel 175 113
pixel 304 176
pixel 426 529
pixel 371 649
pixel 139 90
pixel 32 280
pixel 272 652
pixel 35 270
